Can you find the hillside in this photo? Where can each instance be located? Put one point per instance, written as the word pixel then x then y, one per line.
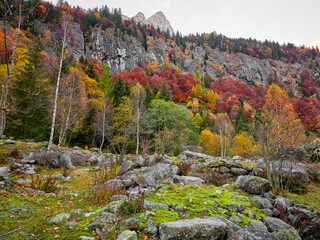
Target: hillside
pixel 114 127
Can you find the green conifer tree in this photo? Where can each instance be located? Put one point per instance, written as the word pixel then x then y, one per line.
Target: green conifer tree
pixel 165 94
pixel 241 124
pixel 105 83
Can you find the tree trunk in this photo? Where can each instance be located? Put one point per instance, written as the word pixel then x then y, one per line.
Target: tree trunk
pixel 103 126
pixel 57 90
pixel 138 129
pixel 4 95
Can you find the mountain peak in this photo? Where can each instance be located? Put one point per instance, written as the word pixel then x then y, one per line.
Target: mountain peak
pixel 159 20
pixel 139 18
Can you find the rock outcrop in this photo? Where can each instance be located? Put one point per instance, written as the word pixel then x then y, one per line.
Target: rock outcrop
pixel 159 20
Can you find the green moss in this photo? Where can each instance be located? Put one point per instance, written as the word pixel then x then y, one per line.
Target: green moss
pixel 164 215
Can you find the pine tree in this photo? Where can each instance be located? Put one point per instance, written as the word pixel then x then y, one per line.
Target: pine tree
pixel 118 91
pixel 241 124
pixel 155 90
pixel 105 83
pixel 29 120
pixel 149 95
pixel 165 94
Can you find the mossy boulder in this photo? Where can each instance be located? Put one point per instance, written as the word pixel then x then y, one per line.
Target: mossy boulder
pixel 211 228
pixel 253 184
pixel 59 218
pixel 128 235
pixel 281 230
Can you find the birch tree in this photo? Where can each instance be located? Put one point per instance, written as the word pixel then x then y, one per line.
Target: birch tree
pixel 138 97
pixel 72 105
pixel 65 22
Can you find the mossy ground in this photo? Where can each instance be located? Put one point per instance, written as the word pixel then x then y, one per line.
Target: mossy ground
pixel 197 201
pixel 42 207
pixel 311 198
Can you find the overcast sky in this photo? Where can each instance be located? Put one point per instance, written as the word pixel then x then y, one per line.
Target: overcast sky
pixel 295 21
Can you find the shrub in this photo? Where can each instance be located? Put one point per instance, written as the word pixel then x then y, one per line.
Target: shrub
pixel 184 168
pixel 44 183
pixel 99 191
pixel 134 205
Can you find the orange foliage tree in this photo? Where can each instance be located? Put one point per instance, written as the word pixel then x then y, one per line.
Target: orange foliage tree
pixel 244 145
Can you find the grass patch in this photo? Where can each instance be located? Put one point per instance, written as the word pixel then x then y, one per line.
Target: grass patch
pixel 310 198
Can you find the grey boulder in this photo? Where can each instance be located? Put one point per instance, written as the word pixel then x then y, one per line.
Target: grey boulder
pixel 211 229
pixel 253 184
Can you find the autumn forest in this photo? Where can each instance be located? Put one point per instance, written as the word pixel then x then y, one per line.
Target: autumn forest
pixel 50 94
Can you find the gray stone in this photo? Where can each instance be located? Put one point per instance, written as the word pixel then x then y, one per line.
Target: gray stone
pixel 282 204
pixel 211 228
pixel 301 206
pixel 127 235
pixel 66 161
pixel 232 206
pixel 281 229
pixel 267 212
pixel 252 184
pixel 240 208
pixel 195 155
pixel 105 222
pixel 149 176
pixel 115 184
pixel 59 218
pixel 77 211
pixel 269 195
pixel 89 214
pixel 231 227
pixel 146 214
pixel 256 231
pixel 126 166
pixel 234 219
pixel 133 222
pixel 3 173
pixel 114 207
pixel 72 224
pixel 153 205
pixel 250 214
pixel 224 170
pixel 262 202
pixel 188 180
pixel 238 171
pixel 306 214
pixel 72 195
pixel 86 238
pixel 23 180
pixel 119 197
pixel 151 229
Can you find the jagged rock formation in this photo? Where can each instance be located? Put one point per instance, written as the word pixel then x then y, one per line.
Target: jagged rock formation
pixel 159 20
pixel 139 18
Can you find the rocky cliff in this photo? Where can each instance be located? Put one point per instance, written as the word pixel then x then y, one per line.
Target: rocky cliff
pixel 159 20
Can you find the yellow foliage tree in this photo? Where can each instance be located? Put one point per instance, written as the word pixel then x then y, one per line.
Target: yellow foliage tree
pixel 212 98
pixel 211 143
pixel 244 145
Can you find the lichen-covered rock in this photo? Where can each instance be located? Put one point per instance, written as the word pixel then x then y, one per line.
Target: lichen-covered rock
pixel 149 176
pixel 196 155
pixel 231 227
pixel 280 229
pixel 153 205
pixel 114 207
pixel 105 222
pixel 210 229
pixel 238 171
pixel 188 180
pixel 253 184
pixel 256 231
pixel 282 203
pixel 262 203
pixel 127 235
pixel 59 218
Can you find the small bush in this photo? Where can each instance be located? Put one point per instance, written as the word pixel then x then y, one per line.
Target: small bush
pixel 46 184
pixel 296 186
pixel 184 168
pixel 210 176
pixel 134 205
pixel 202 160
pixel 99 191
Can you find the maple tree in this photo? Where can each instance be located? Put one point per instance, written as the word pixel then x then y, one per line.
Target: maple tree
pixel 244 145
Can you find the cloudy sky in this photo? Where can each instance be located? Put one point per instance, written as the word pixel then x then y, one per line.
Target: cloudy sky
pixel 295 21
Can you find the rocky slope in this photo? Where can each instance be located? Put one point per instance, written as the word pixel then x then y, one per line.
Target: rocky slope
pixel 149 198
